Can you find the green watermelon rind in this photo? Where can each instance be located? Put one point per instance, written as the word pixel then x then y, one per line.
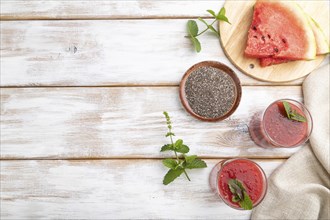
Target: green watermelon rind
pixel 312 23
pixel 325 50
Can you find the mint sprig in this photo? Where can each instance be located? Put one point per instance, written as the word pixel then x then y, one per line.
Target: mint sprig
pixel 180 163
pixel 240 195
pixel 192 27
pixel 293 115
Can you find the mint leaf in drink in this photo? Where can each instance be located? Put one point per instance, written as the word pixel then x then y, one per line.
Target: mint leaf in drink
pixel 293 115
pixel 170 163
pixel 172 175
pixel 239 194
pixel 180 163
pixel 235 188
pixel 246 203
pixel 298 117
pixel 287 108
pixel 235 199
pixel 195 164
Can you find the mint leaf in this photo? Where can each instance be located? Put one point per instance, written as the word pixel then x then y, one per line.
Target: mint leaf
pixel 239 194
pixel 196 43
pixel 169 134
pixel 166 147
pixel 172 175
pixel 293 115
pixel 223 18
pixel 298 117
pixel 235 199
pixel 213 29
pixel 182 149
pixel 170 163
pixel 190 159
pixel 202 20
pixel 178 143
pixel 287 108
pixel 246 203
pixel 236 188
pixel 195 164
pixel 192 28
pixel 222 11
pixel 177 165
pixel 212 13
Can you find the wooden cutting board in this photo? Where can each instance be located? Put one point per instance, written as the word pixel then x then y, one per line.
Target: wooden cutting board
pixel 233 40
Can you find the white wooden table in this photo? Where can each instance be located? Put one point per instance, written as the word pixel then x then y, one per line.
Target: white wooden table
pixel 83 87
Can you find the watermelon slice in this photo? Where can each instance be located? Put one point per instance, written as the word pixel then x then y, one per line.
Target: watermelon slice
pixel 280 29
pixel 322 46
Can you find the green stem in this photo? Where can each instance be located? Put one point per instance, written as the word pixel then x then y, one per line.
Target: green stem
pixel 206 28
pixel 176 155
pixel 186 174
pixel 202 32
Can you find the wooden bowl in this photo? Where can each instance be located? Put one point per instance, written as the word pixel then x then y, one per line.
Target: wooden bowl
pixel 225 69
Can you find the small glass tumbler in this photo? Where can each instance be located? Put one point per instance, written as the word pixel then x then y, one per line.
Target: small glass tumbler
pixel 249 173
pixel 272 127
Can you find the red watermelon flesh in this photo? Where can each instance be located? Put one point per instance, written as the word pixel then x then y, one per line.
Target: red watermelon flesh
pixel 279 30
pixel 271 61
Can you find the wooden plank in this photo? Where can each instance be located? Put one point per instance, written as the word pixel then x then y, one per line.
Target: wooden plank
pixel 110 189
pixel 127 122
pixel 105 9
pixel 94 53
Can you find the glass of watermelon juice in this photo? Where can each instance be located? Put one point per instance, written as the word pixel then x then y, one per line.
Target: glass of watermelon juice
pixel 276 127
pixel 249 173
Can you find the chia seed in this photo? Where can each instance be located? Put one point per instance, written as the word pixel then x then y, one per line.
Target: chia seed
pixel 210 92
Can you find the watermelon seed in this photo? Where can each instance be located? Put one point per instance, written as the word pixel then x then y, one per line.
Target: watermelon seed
pixel 268 36
pixel 254 28
pixel 275 49
pixel 255 37
pixel 263 38
pixel 251 66
pixel 283 40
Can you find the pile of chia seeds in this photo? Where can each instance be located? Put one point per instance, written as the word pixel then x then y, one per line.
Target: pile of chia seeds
pixel 210 92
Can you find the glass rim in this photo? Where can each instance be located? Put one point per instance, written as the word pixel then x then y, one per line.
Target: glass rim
pixel 304 109
pixel 265 188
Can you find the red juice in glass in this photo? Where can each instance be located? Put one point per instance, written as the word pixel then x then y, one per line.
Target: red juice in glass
pixel 274 128
pixel 247 172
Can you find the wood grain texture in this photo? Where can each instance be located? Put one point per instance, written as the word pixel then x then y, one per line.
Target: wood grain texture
pixel 63 123
pixel 234 37
pixel 110 189
pixel 99 53
pixel 104 9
